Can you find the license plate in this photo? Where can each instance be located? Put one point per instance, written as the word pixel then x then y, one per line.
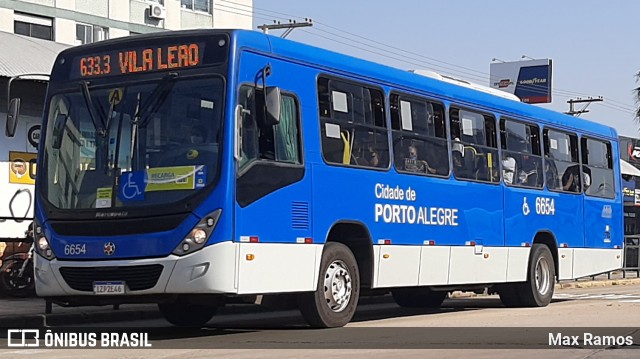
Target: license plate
pixel 108 288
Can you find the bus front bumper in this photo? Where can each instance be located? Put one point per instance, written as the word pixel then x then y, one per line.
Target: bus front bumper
pixel 210 270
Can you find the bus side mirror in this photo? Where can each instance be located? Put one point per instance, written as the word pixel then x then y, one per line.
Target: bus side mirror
pixel 272 101
pixel 58 128
pixel 12 117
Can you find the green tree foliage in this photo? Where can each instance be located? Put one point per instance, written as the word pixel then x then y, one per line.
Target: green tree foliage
pixel 637 93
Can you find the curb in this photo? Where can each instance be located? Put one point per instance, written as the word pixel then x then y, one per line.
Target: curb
pixel 565 285
pixel 598 283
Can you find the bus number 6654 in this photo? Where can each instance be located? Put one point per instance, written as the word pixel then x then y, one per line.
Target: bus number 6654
pixel 545 206
pixel 75 249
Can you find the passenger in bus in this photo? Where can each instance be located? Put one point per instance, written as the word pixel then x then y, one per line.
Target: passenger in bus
pixel 413 164
pixel 571 178
pixel 551 173
pixel 509 165
pixel 371 158
pixel 528 174
pixel 359 152
pixel 460 168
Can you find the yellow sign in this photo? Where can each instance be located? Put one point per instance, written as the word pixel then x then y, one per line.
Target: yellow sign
pixel 170 178
pixel 115 96
pixel 104 193
pixel 22 167
pixel 103 197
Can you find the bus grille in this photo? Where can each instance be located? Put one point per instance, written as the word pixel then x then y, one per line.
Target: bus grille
pixel 300 215
pixel 136 277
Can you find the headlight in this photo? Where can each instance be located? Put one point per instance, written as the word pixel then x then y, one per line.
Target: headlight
pixel 198 236
pixel 42 243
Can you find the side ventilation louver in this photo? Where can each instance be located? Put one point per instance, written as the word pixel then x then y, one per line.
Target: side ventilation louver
pixel 300 215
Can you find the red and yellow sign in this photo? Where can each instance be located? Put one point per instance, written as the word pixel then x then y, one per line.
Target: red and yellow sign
pixel 140 60
pixel 22 167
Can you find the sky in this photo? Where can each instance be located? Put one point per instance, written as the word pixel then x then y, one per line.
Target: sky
pixel 593 44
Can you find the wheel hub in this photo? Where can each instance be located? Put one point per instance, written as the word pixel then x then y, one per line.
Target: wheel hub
pixel 337 286
pixel 543 276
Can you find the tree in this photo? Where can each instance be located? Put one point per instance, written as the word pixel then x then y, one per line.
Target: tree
pixel 637 93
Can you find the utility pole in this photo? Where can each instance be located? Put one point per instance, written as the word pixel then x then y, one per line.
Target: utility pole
pixel 289 26
pixel 586 101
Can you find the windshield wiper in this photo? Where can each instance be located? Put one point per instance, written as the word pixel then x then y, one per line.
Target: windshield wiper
pixel 141 118
pixel 95 115
pixel 155 99
pixel 99 123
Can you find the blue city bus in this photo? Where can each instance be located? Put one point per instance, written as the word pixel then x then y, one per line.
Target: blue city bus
pixel 198 168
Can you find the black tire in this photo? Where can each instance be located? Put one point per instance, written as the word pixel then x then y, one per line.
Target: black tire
pixel 509 294
pixel 18 287
pixel 187 315
pixel 339 269
pixel 418 297
pixel 537 291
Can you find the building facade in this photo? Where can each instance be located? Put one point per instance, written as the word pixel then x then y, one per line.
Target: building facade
pixel 630 152
pixel 76 22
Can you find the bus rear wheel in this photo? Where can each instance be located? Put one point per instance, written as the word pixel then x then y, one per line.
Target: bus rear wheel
pixel 537 291
pixel 187 315
pixel 335 299
pixel 418 297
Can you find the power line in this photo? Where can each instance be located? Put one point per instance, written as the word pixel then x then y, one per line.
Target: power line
pixel 455 72
pixel 585 101
pixel 290 26
pixel 421 58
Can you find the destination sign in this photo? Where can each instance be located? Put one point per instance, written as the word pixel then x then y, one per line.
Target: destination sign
pixel 140 60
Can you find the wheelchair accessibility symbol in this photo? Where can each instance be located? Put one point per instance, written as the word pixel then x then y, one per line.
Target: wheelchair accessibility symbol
pixel 132 186
pixel 525 207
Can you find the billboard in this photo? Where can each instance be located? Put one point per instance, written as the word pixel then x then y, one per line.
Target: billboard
pixel 629 191
pixel 530 80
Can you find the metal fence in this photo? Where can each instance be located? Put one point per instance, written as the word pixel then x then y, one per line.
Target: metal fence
pixel 631 254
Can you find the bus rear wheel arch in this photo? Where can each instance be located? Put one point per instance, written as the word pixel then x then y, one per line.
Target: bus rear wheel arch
pixel 335 299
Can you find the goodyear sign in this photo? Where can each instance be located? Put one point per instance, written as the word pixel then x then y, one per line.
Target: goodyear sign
pixel 530 80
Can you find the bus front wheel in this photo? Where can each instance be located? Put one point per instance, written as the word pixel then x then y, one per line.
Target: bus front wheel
pixel 187 315
pixel 335 299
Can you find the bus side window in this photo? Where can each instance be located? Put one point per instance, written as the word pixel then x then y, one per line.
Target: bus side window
pixel 353 124
pixel 597 168
pixel 561 159
pixel 474 145
pixel 419 135
pixel 263 141
pixel 521 154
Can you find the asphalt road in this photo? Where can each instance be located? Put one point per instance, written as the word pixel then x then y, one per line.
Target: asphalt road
pixel 478 324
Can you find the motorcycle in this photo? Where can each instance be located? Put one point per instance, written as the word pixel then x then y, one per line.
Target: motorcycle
pixel 16 273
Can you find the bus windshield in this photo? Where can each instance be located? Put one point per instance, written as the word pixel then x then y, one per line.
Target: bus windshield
pixel 132 144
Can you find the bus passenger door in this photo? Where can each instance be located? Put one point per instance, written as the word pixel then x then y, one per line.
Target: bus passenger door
pixel 603 228
pixel 272 215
